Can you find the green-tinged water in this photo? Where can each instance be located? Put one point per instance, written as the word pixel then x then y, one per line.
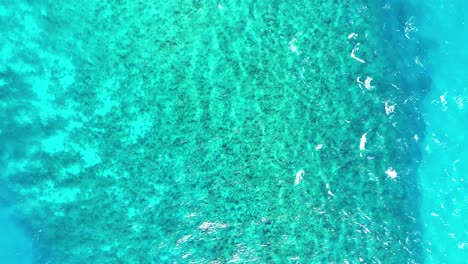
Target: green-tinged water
pixel 211 132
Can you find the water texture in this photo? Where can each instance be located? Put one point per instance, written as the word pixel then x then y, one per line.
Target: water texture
pixel 236 131
pixel 442 173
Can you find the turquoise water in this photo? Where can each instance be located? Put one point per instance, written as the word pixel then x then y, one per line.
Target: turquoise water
pixel 233 132
pixel 444 166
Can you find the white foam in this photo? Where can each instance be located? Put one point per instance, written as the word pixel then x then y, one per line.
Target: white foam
pixel 391 173
pixel 389 108
pixel 362 144
pixel 352 36
pixel 367 83
pixel 409 27
pixel 418 61
pixel 319 146
pixel 355 49
pixel 299 177
pixel 183 240
pixel 442 99
pixel 327 185
pixel 460 102
pixel 220 6
pixel 211 225
pixel 358 80
pixel 190 215
pixel 293 47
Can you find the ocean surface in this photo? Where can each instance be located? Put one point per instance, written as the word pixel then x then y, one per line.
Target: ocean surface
pixel 233 131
